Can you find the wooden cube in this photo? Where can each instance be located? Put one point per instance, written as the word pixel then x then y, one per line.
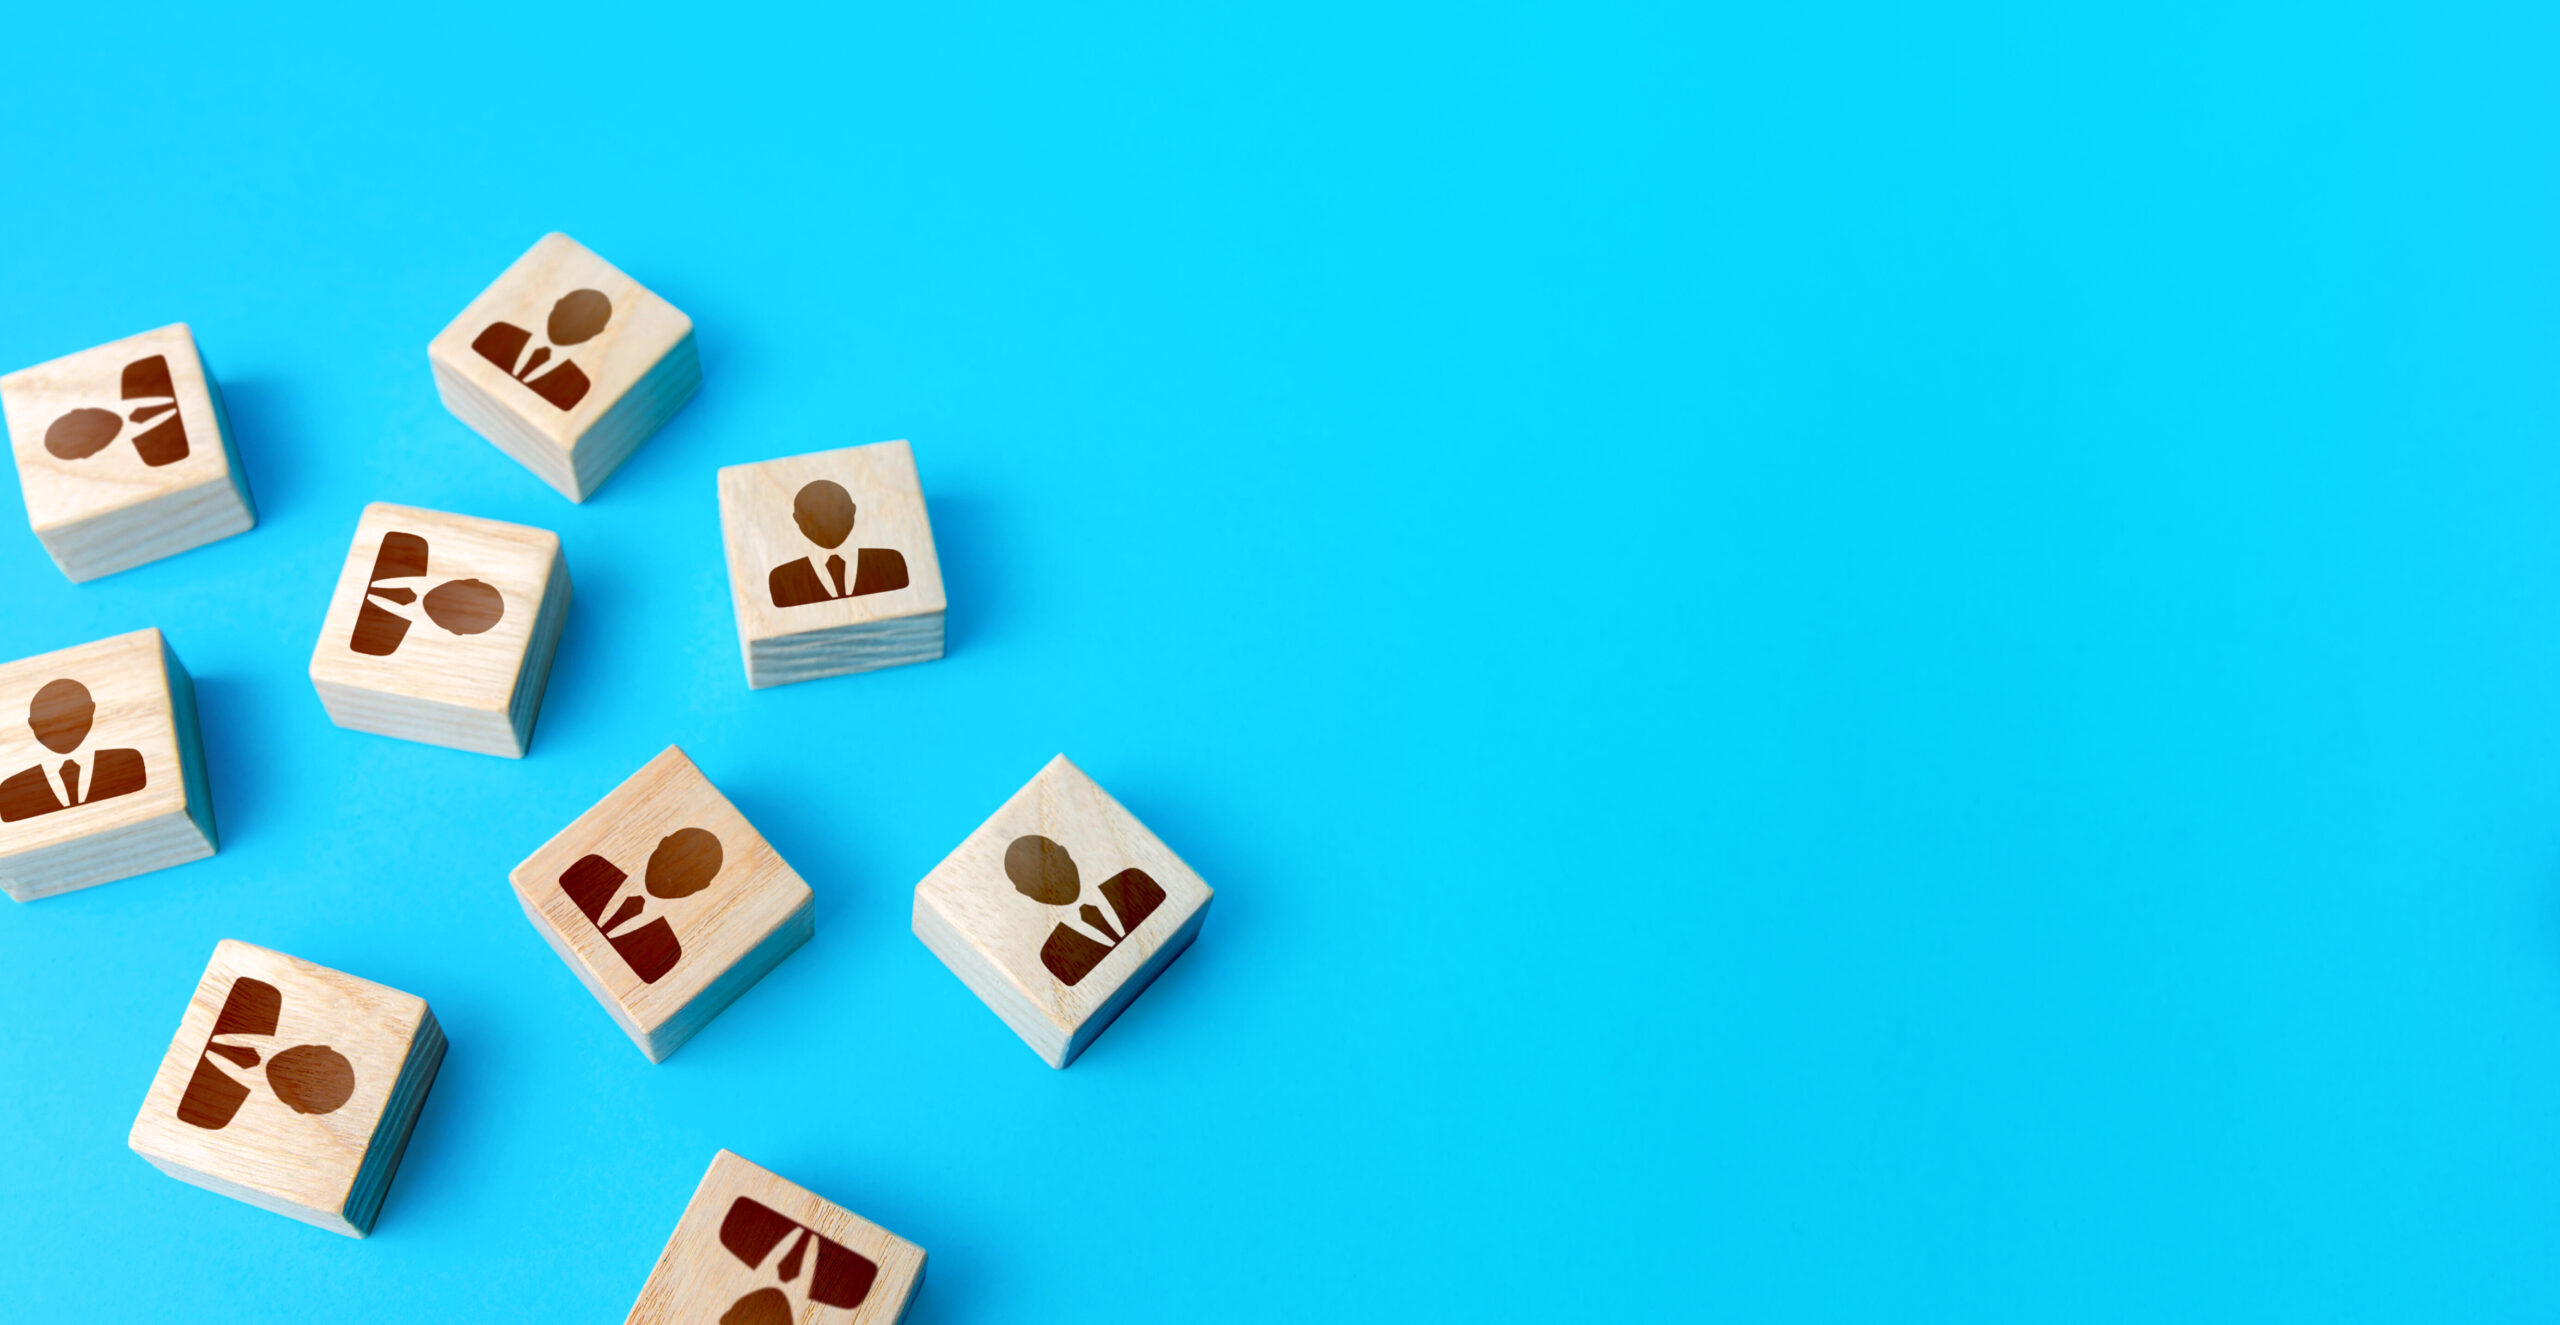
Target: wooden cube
pixel 442 629
pixel 754 1249
pixel 291 1087
pixel 666 902
pixel 124 454
pixel 1059 910
pixel 566 364
pixel 104 778
pixel 831 563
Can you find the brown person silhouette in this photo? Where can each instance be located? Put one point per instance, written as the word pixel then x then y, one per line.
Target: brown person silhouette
pixel 60 716
pixel 842 1276
pixel 824 512
pixel 461 607
pixel 685 863
pixel 1043 871
pixel 85 432
pixel 575 320
pixel 307 1078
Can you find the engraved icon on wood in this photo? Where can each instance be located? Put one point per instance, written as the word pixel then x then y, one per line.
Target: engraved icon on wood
pixel 685 863
pixel 460 607
pixel 83 433
pixel 60 717
pixel 841 1277
pixel 824 512
pixel 307 1078
pixel 1043 871
pixel 575 320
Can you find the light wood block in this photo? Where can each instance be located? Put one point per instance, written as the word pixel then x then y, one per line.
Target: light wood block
pixel 566 364
pixel 754 1249
pixel 291 1087
pixel 101 773
pixel 442 629
pixel 831 563
pixel 1059 910
pixel 666 902
pixel 124 454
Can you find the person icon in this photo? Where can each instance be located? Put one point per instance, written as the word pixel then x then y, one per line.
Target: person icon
pixel 824 512
pixel 839 1276
pixel 307 1078
pixel 83 433
pixel 60 716
pixel 685 863
pixel 575 320
pixel 458 607
pixel 1043 871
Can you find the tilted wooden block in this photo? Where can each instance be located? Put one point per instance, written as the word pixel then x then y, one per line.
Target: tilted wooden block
pixel 831 563
pixel 442 629
pixel 291 1087
pixel 1059 910
pixel 124 453
pixel 566 364
pixel 666 902
pixel 104 779
pixel 754 1249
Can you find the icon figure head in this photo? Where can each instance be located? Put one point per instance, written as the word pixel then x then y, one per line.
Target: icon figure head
pixel 576 318
pixel 842 1277
pixel 307 1078
pixel 459 607
pixel 1043 871
pixel 61 716
pixel 824 512
pixel 83 433
pixel 685 863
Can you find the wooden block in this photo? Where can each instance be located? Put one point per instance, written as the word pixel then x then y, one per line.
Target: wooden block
pixel 124 454
pixel 754 1249
pixel 1059 910
pixel 104 778
pixel 831 563
pixel 292 1087
pixel 666 902
pixel 442 629
pixel 566 364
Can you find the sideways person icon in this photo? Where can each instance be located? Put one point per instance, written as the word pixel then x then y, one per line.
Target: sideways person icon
pixel 1043 871
pixel 60 717
pixel 575 320
pixel 824 512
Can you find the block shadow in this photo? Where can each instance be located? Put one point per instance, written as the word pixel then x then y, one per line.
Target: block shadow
pixel 268 429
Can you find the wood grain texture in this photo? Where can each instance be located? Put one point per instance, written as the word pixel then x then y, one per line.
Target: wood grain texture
pixel 640 366
pixel 259 1129
pixel 766 540
pixel 1015 950
pixel 705 1274
pixel 472 691
pixel 142 701
pixel 634 862
pixel 109 509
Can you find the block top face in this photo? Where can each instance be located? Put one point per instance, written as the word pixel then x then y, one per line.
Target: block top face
pixel 659 889
pixel 829 539
pixel 560 337
pixel 126 422
pixel 754 1248
pixel 279 1075
pixel 435 606
pixel 1065 892
pixel 88 741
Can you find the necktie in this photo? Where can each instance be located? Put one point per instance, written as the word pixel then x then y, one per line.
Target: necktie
pixel 835 571
pixel 71 781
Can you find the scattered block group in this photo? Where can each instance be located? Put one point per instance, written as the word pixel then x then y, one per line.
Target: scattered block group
pixel 124 455
pixel 291 1087
pixel 666 902
pixel 101 773
pixel 442 629
pixel 566 364
pixel 1060 910
pixel 831 563
pixel 754 1249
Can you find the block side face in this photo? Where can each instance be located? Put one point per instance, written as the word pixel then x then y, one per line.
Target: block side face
pixel 384 713
pixel 1043 890
pixel 659 889
pixel 701 1277
pixel 428 634
pixel 731 984
pixel 995 986
pixel 791 529
pixel 105 709
pixel 818 654
pixel 123 424
pixel 669 386
pixel 175 521
pixel 331 1220
pixel 600 343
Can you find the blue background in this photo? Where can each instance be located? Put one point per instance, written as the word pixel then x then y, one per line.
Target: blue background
pixel 1858 663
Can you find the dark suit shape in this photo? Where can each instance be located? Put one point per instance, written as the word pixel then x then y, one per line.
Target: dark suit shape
pixel 1071 955
pixel 841 1276
pixel 563 386
pixel 111 773
pixel 876 570
pixel 650 950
